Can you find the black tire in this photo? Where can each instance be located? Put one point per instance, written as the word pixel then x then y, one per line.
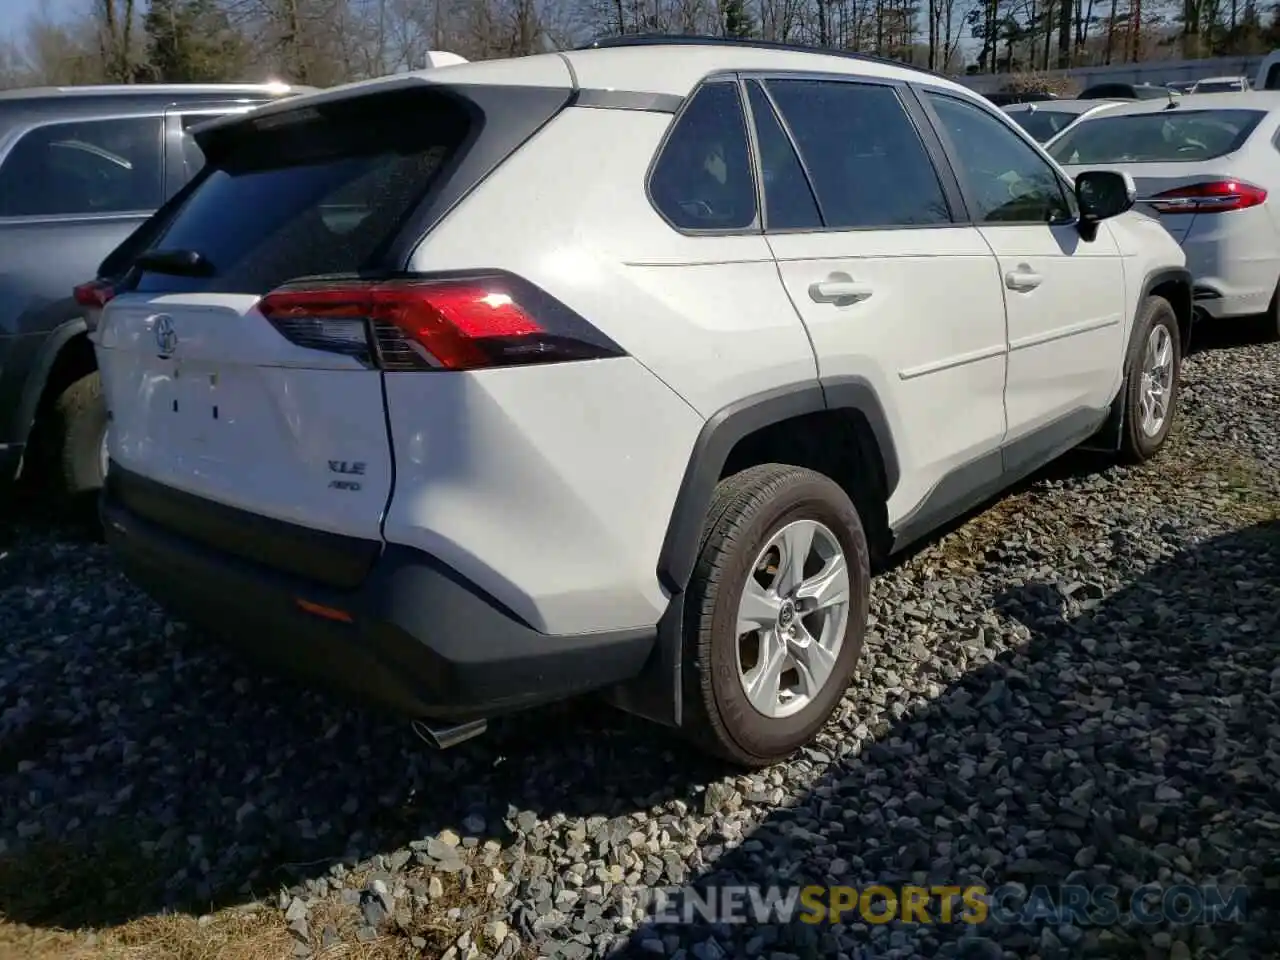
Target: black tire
pixel 79 427
pixel 747 510
pixel 1136 446
pixel 1271 321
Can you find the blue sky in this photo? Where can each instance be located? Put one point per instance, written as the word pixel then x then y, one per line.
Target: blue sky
pixel 15 13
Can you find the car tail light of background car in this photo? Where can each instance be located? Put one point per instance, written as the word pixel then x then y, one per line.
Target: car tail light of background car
pixel 457 322
pixel 93 296
pixel 1218 196
pixel 95 293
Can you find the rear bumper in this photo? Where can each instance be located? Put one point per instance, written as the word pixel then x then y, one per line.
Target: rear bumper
pixel 420 640
pixel 1213 303
pixel 1235 276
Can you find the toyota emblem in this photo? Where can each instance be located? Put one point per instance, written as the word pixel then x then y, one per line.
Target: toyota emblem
pixel 166 336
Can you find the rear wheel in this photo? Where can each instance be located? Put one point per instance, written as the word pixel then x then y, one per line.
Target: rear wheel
pixel 777 611
pixel 80 433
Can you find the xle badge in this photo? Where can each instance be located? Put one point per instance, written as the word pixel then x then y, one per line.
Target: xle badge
pixel 350 468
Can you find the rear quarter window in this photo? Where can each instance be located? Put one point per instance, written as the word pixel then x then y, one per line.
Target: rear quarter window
pixel 311 192
pixel 702 179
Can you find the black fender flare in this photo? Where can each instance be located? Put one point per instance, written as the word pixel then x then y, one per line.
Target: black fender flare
pixel 1183 306
pixel 657 693
pixel 38 376
pixel 728 426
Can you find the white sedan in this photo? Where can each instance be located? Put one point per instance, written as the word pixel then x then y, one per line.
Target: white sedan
pixel 1209 166
pixel 1045 119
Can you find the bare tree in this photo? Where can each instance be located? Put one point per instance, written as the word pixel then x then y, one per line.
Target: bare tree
pixel 116 19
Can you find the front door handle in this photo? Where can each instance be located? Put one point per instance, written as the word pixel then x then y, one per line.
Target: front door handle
pixel 1023 279
pixel 839 289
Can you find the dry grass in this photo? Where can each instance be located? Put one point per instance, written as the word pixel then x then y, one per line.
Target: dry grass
pixel 228 935
pixel 247 932
pixel 1241 491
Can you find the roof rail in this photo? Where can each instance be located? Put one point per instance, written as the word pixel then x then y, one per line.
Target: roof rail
pixel 153 89
pixel 703 40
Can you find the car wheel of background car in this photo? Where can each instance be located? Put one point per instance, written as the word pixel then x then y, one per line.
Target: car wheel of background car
pixel 1271 328
pixel 1151 382
pixel 80 430
pixel 776 613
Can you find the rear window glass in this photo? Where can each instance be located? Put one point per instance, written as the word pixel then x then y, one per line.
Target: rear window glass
pixel 1043 124
pixel 1164 137
pixel 1219 86
pixel 309 194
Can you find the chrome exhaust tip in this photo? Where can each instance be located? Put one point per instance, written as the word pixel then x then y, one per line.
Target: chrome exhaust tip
pixel 443 737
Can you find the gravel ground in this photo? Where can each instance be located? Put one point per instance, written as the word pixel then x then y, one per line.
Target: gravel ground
pixel 1079 685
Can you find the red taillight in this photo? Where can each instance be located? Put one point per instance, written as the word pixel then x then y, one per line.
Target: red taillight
pixel 462 323
pixel 1218 196
pixel 95 293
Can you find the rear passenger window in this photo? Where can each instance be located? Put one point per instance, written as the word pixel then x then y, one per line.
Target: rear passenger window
pixel 789 203
pixel 868 163
pixel 703 180
pixel 84 168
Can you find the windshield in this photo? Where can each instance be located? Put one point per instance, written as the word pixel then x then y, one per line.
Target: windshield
pixel 1165 137
pixel 1043 124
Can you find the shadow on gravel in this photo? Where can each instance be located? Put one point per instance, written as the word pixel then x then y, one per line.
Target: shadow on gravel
pixel 1230 334
pixel 201 785
pixel 201 788
pixel 27 510
pixel 1132 740
pixel 192 784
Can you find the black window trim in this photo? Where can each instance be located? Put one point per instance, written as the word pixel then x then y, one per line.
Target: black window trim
pixel 757 158
pixel 20 133
pixel 953 155
pixel 756 227
pixel 917 114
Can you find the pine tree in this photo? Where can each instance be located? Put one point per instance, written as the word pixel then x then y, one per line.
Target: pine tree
pixel 737 22
pixel 191 41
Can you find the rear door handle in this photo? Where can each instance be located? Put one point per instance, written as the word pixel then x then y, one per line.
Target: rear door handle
pixel 839 289
pixel 1022 279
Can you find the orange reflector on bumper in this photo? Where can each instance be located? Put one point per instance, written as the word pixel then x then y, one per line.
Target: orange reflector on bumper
pixel 329 613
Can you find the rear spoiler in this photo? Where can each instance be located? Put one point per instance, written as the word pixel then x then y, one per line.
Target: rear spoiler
pixel 210 135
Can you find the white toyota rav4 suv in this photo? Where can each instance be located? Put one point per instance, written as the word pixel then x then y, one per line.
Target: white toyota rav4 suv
pixel 611 370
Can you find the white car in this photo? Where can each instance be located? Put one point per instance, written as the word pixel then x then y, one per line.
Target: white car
pixel 1221 85
pixel 611 370
pixel 1044 120
pixel 1207 166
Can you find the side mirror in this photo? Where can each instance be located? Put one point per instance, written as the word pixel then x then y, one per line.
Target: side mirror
pixel 1102 194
